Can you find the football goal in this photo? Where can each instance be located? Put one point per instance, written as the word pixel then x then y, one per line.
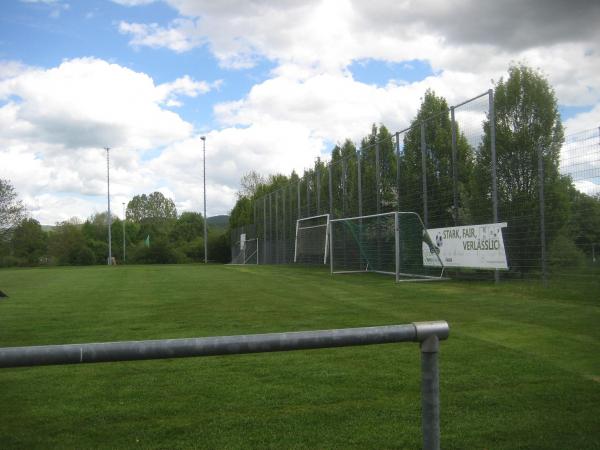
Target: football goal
pixel 245 251
pixel 312 240
pixel 390 243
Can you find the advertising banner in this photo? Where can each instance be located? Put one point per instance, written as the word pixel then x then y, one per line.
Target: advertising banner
pixel 469 246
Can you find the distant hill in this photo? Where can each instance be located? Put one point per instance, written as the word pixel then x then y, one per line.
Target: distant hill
pixel 218 222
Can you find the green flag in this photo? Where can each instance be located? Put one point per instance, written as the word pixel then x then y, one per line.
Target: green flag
pixel 147 241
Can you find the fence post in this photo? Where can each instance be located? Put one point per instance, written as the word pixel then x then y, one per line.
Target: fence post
pixel 359 165
pixel 542 215
pixel 493 168
pixel 271 227
pixel 454 168
pixel 307 176
pixel 265 229
pixel 276 227
pixel 344 191
pixel 398 169
pixel 283 228
pixel 424 175
pixel 430 393
pixel 318 183
pixel 330 186
pixel 299 207
pixel 377 178
pixel 397 245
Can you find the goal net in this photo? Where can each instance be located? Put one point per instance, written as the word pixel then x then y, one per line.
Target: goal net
pixel 312 240
pixel 245 251
pixel 389 243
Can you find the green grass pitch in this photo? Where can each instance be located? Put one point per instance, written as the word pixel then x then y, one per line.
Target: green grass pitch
pixel 521 368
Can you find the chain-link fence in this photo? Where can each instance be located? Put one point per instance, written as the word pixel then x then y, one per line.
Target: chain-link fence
pixel 451 169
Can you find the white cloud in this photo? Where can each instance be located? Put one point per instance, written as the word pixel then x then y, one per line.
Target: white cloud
pixel 184 86
pixel 133 2
pixel 583 121
pixel 326 36
pixel 336 107
pixel 180 37
pixel 91 103
pixel 55 122
pixel 587 187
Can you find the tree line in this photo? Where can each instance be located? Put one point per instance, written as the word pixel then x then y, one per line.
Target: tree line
pixel 152 232
pixel 528 137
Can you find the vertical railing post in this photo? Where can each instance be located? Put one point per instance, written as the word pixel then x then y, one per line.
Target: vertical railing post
pixel 430 393
pixel 424 175
pixel 492 113
pixel 454 169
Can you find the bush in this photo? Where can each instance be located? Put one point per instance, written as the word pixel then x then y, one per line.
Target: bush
pixel 83 256
pixel 218 248
pixel 563 254
pixel 193 250
pixel 159 252
pixel 9 261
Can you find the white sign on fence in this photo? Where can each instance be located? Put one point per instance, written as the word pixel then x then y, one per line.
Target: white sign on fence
pixel 472 246
pixel 242 241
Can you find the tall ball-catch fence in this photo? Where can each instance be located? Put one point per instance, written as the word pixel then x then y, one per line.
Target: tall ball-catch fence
pixel 456 168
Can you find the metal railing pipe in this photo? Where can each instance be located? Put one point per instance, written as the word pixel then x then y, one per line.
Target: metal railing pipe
pixel 428 334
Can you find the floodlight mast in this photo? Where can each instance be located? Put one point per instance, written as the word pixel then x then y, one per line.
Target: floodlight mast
pixel 108 201
pixel 204 189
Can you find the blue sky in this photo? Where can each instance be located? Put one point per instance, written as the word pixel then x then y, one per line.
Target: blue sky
pixel 271 84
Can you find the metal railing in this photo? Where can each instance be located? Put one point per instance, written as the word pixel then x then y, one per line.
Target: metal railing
pixel 428 334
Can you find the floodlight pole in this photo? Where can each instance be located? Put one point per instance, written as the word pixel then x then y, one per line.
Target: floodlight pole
pixel 108 201
pixel 204 182
pixel 124 218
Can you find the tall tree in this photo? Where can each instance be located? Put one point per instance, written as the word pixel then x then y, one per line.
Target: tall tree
pixel 12 211
pixel 434 115
pixel 189 226
pixel 153 206
pixel 250 183
pixel 29 241
pixel 527 121
pixel 66 244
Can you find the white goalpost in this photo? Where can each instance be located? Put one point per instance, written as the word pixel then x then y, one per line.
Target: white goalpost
pixel 312 239
pixel 394 243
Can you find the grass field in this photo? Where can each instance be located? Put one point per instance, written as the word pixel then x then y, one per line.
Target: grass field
pixel 521 368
